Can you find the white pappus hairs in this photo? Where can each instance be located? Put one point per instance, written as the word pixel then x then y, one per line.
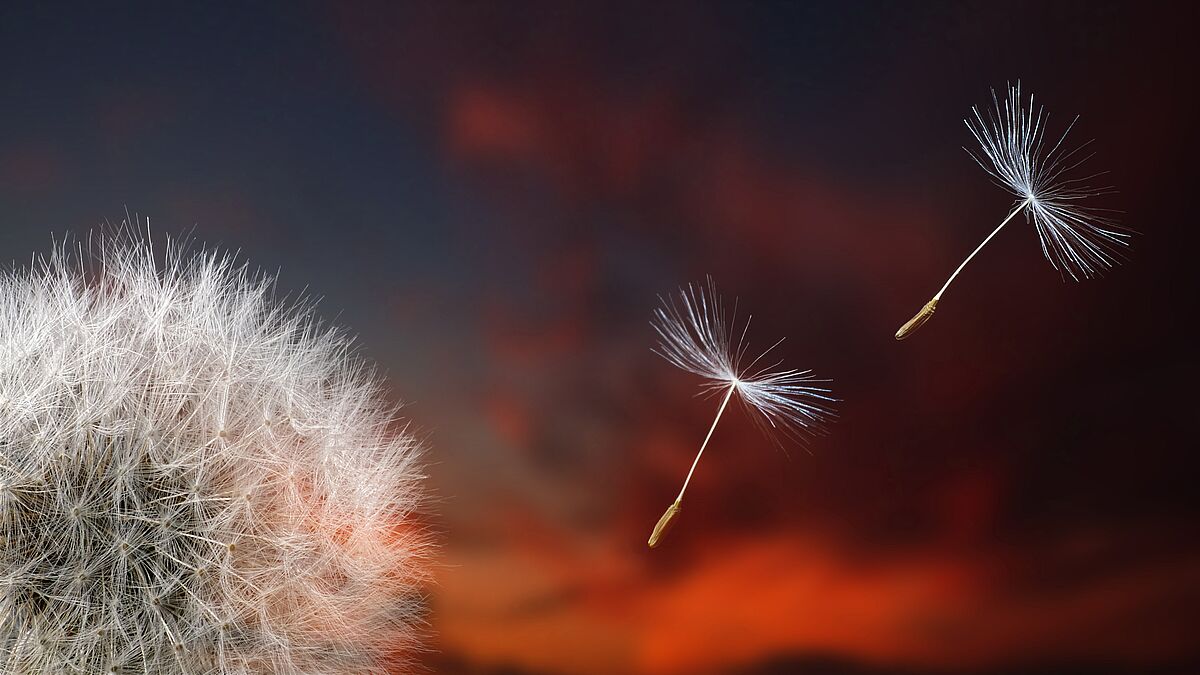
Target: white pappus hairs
pixel 195 477
pixel 695 335
pixel 1076 239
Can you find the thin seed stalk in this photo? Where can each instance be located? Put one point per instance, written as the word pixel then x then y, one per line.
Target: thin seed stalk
pixel 665 522
pixel 926 312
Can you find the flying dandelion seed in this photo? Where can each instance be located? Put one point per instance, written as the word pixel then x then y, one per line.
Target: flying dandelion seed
pixel 1077 240
pixel 694 336
pixel 194 477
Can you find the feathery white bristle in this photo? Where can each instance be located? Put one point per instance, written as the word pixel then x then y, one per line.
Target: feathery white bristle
pixel 695 336
pixel 1076 239
pixel 194 477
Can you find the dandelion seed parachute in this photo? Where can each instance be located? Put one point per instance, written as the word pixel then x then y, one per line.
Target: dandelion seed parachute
pixel 695 336
pixel 194 476
pixel 1077 240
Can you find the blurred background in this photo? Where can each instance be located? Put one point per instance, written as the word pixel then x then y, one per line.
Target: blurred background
pixel 492 195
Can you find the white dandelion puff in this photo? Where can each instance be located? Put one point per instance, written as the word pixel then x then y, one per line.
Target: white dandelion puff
pixel 1077 240
pixel 195 477
pixel 695 336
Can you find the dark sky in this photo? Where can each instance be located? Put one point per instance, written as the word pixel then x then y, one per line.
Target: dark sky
pixel 493 195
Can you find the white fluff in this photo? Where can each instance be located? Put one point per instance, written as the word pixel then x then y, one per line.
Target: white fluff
pixel 1075 239
pixel 194 476
pixel 695 336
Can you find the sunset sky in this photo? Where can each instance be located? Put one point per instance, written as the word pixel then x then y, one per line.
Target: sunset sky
pixel 494 195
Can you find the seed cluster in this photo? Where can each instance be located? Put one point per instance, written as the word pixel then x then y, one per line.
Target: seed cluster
pixel 194 478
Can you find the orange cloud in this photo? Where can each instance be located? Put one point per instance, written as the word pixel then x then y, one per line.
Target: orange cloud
pixel 746 600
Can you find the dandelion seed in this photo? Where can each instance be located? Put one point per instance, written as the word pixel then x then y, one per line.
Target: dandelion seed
pixel 1078 241
pixel 694 336
pixel 150 521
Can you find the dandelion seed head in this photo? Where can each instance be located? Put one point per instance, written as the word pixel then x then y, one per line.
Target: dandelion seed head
pixel 696 335
pixel 1078 240
pixel 151 519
